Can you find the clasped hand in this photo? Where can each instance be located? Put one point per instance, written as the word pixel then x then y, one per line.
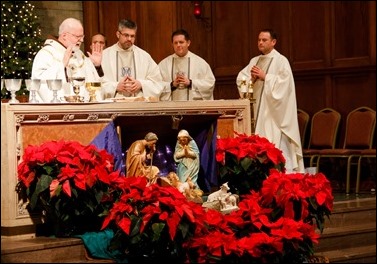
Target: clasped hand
pixel 257 73
pixel 129 84
pixel 181 79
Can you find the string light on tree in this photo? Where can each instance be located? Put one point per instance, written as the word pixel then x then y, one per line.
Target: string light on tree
pixel 20 40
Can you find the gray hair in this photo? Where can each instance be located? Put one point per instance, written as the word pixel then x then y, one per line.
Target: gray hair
pixel 150 136
pixel 68 24
pixel 126 23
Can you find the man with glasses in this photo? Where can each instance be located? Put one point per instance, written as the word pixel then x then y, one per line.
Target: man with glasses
pixel 61 58
pixel 129 71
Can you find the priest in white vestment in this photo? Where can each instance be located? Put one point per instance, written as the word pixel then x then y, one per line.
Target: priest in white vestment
pixel 275 109
pixel 186 76
pixel 129 71
pixel 61 58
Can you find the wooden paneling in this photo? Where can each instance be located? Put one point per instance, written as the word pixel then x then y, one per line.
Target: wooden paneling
pixel 104 16
pixel 309 24
pixel 311 93
pixel 270 14
pixel 156 39
pixel 200 30
pixel 353 90
pixel 331 45
pixel 231 47
pixel 351 40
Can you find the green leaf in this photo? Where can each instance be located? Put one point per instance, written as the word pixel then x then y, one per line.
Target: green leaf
pixel 157 229
pixel 135 225
pixel 184 227
pixel 246 163
pixel 42 184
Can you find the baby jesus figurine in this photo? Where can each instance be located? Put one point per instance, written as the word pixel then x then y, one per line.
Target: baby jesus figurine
pixel 188 188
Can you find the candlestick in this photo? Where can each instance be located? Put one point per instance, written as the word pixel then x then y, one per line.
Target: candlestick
pixel 250 90
pixel 243 90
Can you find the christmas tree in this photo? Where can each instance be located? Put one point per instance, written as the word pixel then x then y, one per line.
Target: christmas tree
pixel 20 41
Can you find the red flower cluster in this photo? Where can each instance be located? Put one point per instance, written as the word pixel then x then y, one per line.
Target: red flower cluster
pixel 274 225
pixel 153 217
pixel 72 185
pixel 254 147
pixel 67 162
pixel 276 222
pixel 245 162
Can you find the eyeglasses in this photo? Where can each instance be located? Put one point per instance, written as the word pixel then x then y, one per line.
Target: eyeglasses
pixel 126 35
pixel 78 37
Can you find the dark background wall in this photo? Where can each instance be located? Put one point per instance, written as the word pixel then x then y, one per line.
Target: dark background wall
pixel 331 45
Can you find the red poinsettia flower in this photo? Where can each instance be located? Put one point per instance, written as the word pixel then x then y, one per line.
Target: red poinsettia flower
pixel 57 176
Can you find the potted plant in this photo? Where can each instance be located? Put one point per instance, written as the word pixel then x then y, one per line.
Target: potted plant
pixel 277 220
pixel 70 184
pixel 245 162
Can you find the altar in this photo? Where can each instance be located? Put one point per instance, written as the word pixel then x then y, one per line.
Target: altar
pixel 33 124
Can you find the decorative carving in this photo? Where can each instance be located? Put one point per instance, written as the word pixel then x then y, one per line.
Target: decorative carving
pixel 68 117
pixel 239 114
pixel 19 119
pixel 92 117
pixel 114 115
pixel 21 208
pixel 43 118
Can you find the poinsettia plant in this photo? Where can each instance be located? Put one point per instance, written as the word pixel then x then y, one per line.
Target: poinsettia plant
pixel 72 185
pixel 275 225
pixel 245 161
pixel 151 222
pixel 279 220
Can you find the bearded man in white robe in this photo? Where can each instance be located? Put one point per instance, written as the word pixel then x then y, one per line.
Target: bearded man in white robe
pixel 275 109
pixel 129 71
pixel 61 58
pixel 186 76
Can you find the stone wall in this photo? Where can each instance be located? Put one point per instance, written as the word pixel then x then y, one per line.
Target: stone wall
pixel 52 13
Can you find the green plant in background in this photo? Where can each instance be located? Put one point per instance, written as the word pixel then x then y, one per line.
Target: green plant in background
pixel 20 41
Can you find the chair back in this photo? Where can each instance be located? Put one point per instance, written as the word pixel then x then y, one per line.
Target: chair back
pixel 303 121
pixel 360 126
pixel 324 129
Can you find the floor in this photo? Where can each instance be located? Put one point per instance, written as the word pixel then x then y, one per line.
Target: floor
pixel 336 174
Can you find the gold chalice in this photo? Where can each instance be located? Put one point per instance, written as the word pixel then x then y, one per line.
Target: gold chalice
pixel 92 87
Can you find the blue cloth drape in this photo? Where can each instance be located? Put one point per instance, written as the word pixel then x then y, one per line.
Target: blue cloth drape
pixel 108 139
pixel 206 141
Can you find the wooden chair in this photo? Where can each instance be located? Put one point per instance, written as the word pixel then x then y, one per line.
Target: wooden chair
pixel 364 154
pixel 360 127
pixel 303 121
pixel 323 133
